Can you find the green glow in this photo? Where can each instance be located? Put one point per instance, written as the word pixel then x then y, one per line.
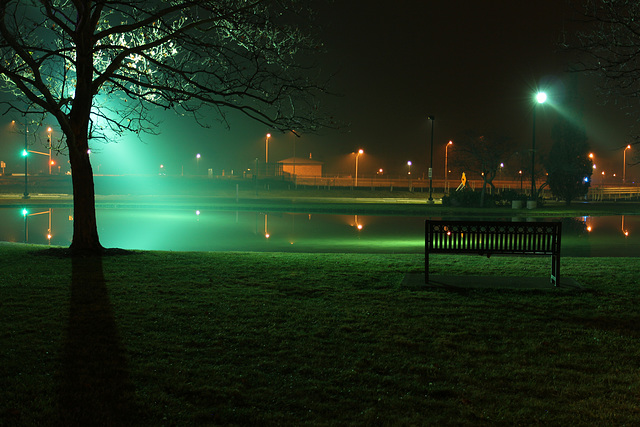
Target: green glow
pixel 25 212
pixel 541 97
pixel 25 153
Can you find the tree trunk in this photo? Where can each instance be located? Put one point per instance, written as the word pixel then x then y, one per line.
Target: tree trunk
pixel 85 229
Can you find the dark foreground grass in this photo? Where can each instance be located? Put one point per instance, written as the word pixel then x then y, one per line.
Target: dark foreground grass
pixel 157 338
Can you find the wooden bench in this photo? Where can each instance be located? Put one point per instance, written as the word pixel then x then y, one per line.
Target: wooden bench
pixel 494 237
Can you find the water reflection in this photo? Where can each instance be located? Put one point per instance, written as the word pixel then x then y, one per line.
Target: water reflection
pixel 210 230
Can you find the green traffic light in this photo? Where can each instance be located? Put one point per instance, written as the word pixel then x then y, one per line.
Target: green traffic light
pixel 25 212
pixel 25 153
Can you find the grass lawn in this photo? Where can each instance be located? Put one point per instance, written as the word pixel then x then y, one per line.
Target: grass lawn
pixel 160 338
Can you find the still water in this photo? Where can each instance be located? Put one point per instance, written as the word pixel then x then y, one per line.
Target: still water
pixel 210 230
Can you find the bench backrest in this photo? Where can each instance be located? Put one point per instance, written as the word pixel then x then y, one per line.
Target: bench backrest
pixel 493 237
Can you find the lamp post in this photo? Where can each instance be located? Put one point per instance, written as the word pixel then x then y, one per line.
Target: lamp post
pixel 49 143
pixel 198 164
pixel 541 97
pixel 25 154
pixel 266 148
pixel 360 151
pixel 624 164
pixel 430 201
pixel 266 155
pixel 446 164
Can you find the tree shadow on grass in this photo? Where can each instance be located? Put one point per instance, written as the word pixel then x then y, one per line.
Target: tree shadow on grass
pixel 95 388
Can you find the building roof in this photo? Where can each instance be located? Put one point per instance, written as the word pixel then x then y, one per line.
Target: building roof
pixel 299 161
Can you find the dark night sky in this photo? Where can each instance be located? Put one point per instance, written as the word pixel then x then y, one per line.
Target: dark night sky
pixel 471 64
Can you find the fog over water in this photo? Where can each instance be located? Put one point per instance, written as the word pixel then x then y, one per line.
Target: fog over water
pixel 216 230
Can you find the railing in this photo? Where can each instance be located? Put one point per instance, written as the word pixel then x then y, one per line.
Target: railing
pixel 613 193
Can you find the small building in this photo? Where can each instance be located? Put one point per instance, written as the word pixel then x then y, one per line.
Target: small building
pixel 301 167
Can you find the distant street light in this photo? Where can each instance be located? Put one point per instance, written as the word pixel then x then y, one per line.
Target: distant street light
pixel 541 97
pixel 197 163
pixel 409 164
pixel 624 164
pixel 266 148
pixel 520 172
pixel 360 151
pixel 446 164
pixel 432 118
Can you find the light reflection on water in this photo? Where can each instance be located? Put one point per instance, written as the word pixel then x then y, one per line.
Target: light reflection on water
pixel 204 230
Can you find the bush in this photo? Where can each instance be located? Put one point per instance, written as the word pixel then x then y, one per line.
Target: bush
pixel 466 198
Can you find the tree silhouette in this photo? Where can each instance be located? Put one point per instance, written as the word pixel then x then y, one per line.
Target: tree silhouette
pixel 100 67
pixel 483 154
pixel 568 164
pixel 606 44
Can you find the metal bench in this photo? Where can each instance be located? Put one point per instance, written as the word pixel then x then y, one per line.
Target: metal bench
pixel 494 237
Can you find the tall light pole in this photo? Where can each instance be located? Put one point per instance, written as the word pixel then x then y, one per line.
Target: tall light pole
pixel 624 164
pixel 266 155
pixel 25 154
pixel 541 97
pixel 198 164
pixel 49 142
pixel 266 148
pixel 360 151
pixel 446 164
pixel 432 118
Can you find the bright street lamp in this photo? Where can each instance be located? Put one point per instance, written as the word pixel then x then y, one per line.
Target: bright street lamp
pixel 198 163
pixel 624 163
pixel 409 164
pixel 360 151
pixel 541 97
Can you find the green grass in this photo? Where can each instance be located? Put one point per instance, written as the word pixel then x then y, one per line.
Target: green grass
pixel 159 338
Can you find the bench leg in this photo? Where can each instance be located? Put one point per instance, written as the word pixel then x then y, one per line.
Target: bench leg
pixel 555 269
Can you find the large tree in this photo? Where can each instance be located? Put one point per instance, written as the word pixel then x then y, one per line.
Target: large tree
pixel 607 44
pixel 483 154
pixel 568 164
pixel 98 66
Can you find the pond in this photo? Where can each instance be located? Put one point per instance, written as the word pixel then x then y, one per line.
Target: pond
pixel 211 230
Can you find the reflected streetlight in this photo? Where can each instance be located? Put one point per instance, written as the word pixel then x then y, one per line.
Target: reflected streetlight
pixel 26 214
pixel 360 151
pixel 624 164
pixel 541 97
pixel 357 224
pixel 625 232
